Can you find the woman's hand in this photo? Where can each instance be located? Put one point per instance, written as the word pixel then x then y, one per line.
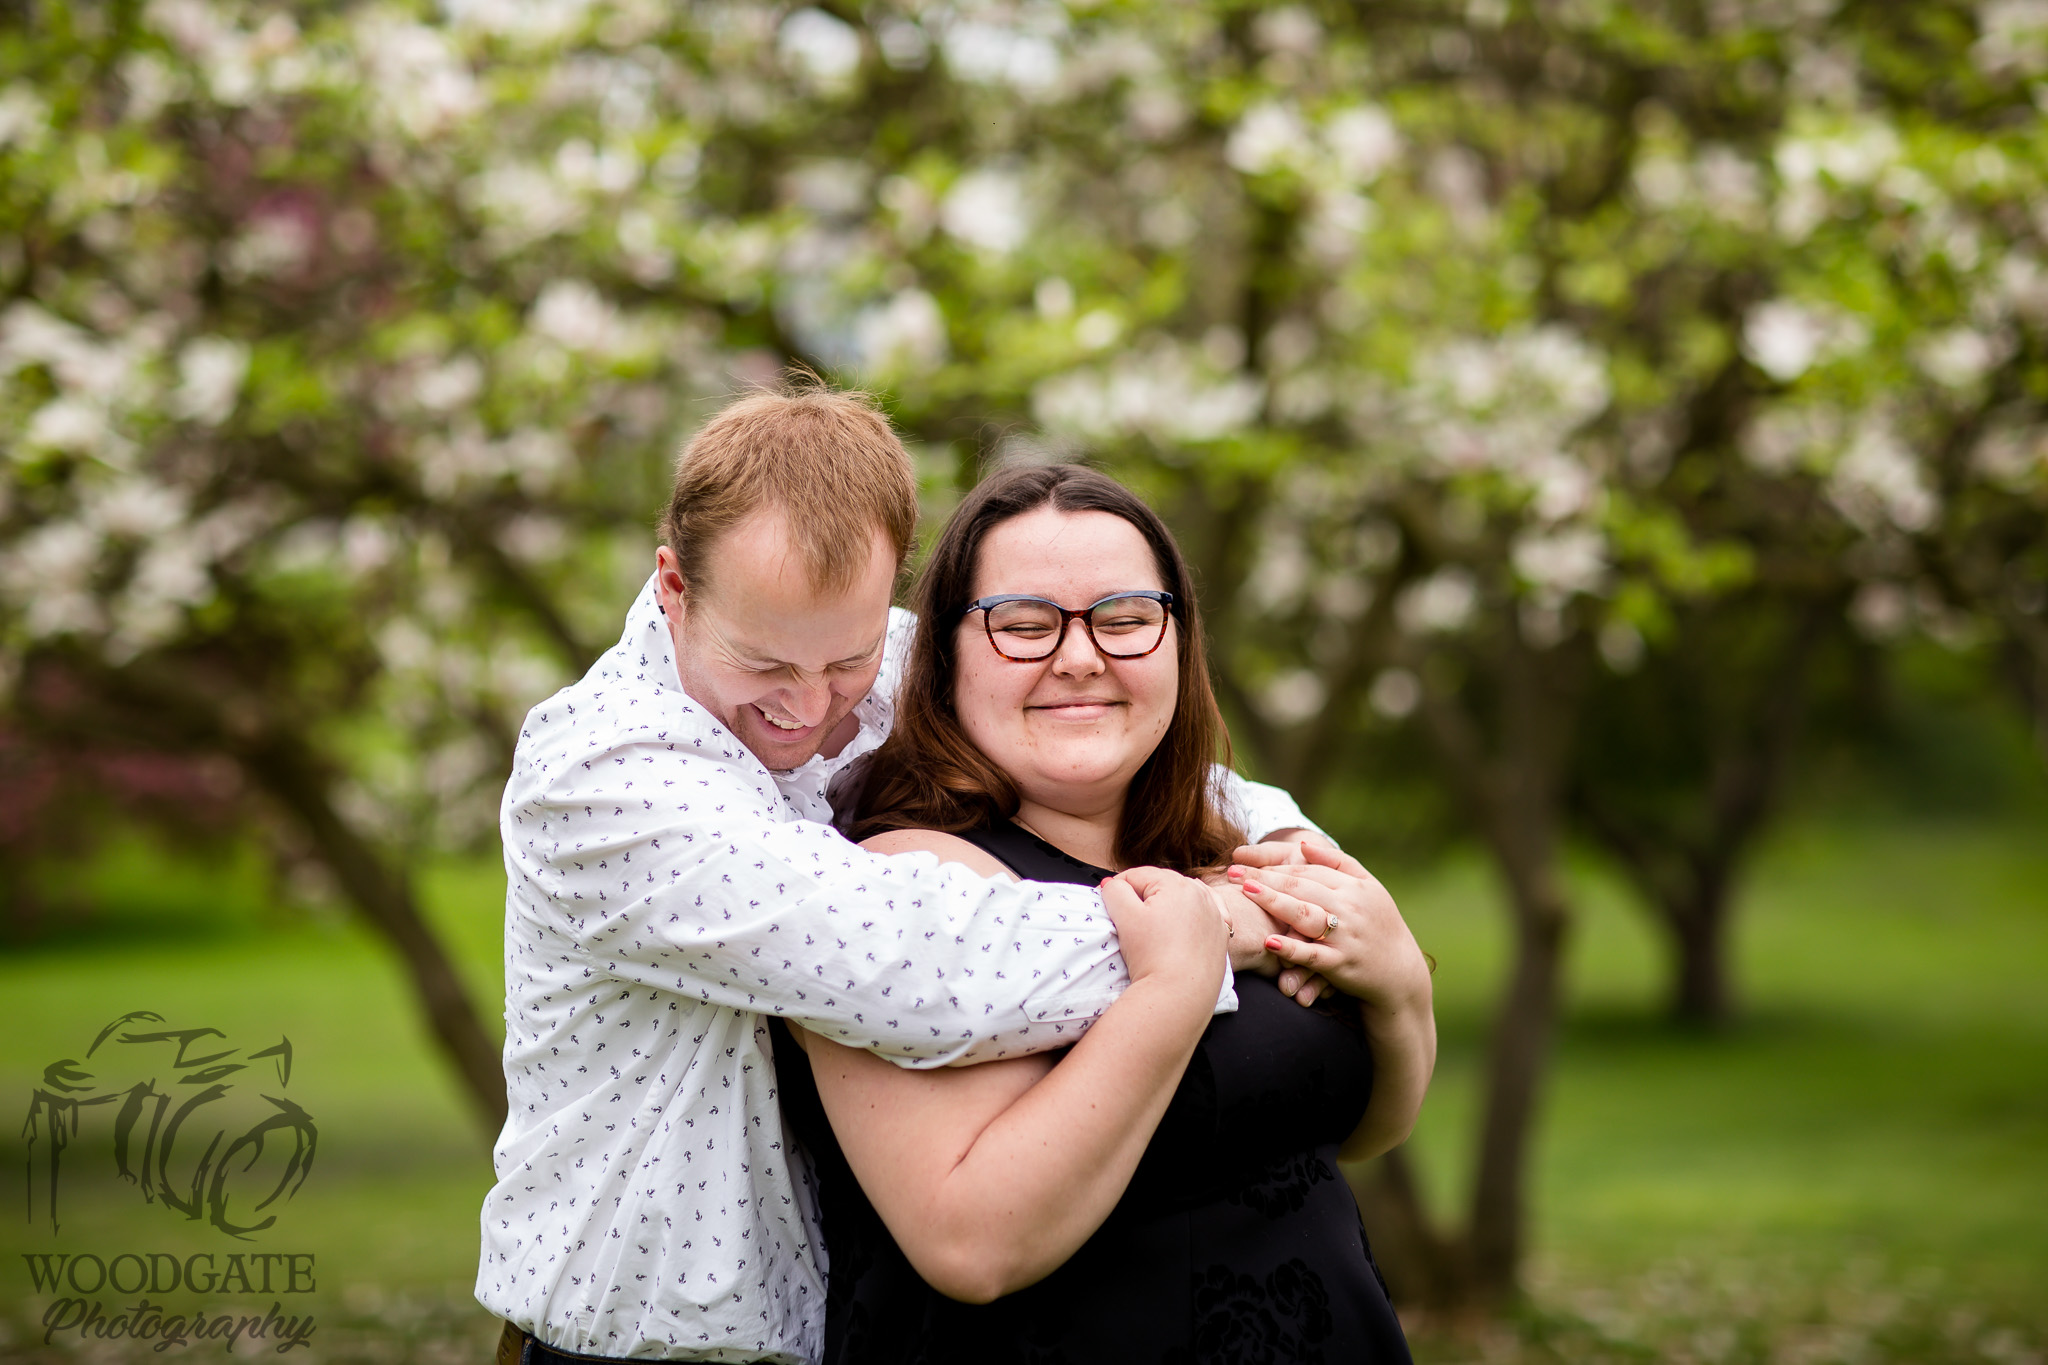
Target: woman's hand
pixel 1352 932
pixel 1168 926
pixel 1341 923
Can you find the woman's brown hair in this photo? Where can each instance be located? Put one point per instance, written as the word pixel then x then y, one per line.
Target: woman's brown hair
pixel 929 775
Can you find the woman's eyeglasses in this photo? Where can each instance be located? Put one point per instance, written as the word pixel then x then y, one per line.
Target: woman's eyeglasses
pixel 1024 629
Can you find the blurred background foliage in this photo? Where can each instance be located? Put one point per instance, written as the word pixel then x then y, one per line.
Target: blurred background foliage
pixel 1605 432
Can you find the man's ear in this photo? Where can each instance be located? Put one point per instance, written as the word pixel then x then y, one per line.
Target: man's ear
pixel 669 586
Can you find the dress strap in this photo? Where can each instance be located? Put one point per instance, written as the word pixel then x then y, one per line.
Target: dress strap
pixel 1031 857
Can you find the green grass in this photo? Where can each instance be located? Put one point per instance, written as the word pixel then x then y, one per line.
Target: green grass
pixel 1873 1132
pixel 1857 1171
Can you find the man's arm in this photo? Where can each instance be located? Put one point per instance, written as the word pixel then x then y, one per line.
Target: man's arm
pixel 673 872
pixel 1265 812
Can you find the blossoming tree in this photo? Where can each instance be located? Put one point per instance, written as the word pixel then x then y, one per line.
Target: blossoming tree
pixel 1534 383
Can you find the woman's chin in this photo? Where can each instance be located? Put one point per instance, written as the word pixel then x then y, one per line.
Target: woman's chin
pixel 1052 776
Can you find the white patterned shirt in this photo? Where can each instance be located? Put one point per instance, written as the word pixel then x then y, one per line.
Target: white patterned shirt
pixel 664 892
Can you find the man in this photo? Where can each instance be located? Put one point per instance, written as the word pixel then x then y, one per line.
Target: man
pixel 672 877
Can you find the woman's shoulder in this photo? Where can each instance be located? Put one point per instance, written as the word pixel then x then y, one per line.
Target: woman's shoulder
pixel 948 848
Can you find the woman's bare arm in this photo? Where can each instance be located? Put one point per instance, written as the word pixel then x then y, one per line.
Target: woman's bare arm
pixel 991 1176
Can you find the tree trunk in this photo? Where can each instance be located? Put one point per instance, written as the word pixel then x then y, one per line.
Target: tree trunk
pixel 385 899
pixel 1422 1266
pixel 1516 795
pixel 1700 989
pixel 1521 1050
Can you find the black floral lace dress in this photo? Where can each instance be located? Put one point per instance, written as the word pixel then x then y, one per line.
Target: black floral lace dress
pixel 1236 1241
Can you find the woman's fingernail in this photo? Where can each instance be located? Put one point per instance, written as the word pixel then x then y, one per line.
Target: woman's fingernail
pixel 1273 944
pixel 1253 888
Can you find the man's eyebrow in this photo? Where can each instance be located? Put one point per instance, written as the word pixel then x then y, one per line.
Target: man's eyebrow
pixel 748 656
pixel 880 640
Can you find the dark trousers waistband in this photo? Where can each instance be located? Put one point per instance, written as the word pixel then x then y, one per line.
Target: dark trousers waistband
pixel 519 1348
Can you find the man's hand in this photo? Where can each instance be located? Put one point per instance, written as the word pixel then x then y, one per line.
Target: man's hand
pixel 1250 927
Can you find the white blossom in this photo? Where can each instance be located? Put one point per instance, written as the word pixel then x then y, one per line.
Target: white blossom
pixel 1362 141
pixel 75 424
pixel 533 537
pixel 1662 181
pixel 608 170
pixel 2013 455
pixel 1730 185
pixel 534 23
pixel 907 333
pixel 573 314
pixel 1280 572
pixel 1563 562
pixel 1780 439
pixel 904 45
pixel 2013 37
pixel 1853 156
pixel 987 208
pixel 1621 646
pixel 1877 481
pixel 453 384
pixel 1292 697
pixel 48 573
pixel 367 544
pixel 1958 357
pixel 210 374
pixel 1881 611
pixel 1395 693
pixel 836 187
pixel 1785 339
pixel 1439 604
pixel 1507 403
pixel 24 117
pixel 1097 328
pixel 1563 486
pixel 422 82
pixel 1269 136
pixel 819 47
pixel 135 508
pixel 1054 298
pixel 996 54
pixel 1287 28
pixel 1156 391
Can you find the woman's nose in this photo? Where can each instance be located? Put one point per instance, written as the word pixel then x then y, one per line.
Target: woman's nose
pixel 1077 656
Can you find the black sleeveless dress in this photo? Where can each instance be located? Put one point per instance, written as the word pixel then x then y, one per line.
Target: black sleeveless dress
pixel 1236 1241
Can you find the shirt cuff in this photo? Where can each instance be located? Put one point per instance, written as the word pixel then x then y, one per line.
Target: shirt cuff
pixel 1226 998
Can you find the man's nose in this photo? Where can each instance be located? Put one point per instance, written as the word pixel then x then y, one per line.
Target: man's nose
pixel 1077 656
pixel 808 700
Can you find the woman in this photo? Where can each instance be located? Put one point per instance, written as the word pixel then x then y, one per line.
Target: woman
pixel 1166 1189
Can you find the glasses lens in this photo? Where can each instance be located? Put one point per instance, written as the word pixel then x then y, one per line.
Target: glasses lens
pixel 1128 626
pixel 1024 630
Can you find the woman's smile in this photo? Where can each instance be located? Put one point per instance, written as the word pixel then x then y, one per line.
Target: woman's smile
pixel 1076 708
